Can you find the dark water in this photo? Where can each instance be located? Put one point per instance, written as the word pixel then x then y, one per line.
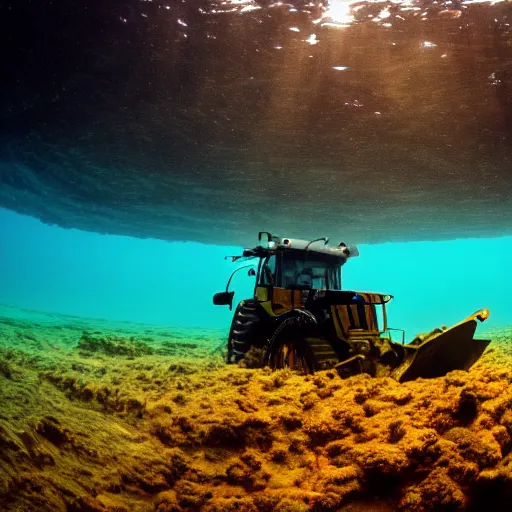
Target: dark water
pixel 205 120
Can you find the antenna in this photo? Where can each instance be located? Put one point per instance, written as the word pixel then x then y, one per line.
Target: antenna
pixel 324 238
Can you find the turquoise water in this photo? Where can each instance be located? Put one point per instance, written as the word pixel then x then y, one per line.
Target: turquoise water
pixel 68 271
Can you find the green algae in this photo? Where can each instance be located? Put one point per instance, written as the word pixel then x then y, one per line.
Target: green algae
pixel 176 429
pixel 113 346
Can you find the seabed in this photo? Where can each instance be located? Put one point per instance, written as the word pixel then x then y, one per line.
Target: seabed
pixel 104 416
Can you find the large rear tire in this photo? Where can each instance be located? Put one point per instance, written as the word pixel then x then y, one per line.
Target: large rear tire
pixel 288 347
pixel 247 330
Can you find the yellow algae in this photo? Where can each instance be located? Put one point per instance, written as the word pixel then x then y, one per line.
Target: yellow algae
pixel 172 428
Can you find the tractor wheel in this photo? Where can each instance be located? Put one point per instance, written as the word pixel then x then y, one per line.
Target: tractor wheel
pixel 246 330
pixel 288 347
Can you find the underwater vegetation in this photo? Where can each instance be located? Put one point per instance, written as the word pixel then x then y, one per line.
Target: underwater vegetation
pixel 99 416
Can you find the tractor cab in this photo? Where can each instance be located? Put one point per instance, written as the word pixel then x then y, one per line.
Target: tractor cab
pixel 301 270
pixel 299 264
pixel 292 265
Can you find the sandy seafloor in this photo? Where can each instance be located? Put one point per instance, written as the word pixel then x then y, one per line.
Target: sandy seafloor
pixel 104 416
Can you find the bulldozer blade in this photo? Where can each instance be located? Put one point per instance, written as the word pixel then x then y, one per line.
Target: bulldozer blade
pixel 453 349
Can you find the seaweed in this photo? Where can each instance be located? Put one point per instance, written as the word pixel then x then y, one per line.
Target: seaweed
pixel 114 423
pixel 113 346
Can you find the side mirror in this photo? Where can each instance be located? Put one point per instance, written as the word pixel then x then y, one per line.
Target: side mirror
pixel 224 299
pixel 251 272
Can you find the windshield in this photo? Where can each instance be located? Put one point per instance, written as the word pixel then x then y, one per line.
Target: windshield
pixel 309 270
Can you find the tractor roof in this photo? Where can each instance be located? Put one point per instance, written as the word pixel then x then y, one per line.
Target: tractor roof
pixel 271 244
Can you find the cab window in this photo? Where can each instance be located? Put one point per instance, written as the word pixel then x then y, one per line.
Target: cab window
pixel 268 271
pixel 314 271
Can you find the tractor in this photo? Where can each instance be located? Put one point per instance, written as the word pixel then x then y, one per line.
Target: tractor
pixel 301 318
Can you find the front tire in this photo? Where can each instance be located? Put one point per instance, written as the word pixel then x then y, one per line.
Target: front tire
pixel 246 331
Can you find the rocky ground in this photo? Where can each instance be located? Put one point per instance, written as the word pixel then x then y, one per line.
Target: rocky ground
pixel 96 416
